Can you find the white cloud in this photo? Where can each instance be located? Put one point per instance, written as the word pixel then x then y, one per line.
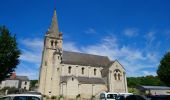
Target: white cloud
pixel 135 68
pixel 32 71
pixel 107 47
pixel 130 32
pixel 29 56
pixel 150 37
pixel 70 46
pixel 131 54
pixel 32 43
pixel 152 57
pixel 149 73
pixel 91 31
pixel 32 50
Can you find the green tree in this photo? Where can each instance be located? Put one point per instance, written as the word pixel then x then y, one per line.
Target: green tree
pixel 164 69
pixel 33 83
pixel 9 53
pixel 144 80
pixel 133 82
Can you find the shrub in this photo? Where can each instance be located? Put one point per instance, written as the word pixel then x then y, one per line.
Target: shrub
pixel 53 97
pixel 78 96
pixel 47 97
pixel 92 97
pixel 61 96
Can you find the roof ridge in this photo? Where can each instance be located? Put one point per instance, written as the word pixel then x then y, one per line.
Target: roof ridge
pixel 21 75
pixel 87 54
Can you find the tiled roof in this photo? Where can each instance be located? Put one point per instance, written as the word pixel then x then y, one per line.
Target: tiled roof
pixel 84 80
pixel 85 59
pixel 22 78
pixel 105 71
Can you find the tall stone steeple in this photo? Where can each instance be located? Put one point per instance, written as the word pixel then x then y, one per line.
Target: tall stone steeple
pixel 49 79
pixel 54 34
pixel 53 31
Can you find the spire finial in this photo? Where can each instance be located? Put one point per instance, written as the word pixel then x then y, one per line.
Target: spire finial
pixel 55 2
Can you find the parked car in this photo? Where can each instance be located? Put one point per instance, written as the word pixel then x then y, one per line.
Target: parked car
pixel 135 97
pixel 121 97
pixel 108 96
pixel 159 97
pixel 22 97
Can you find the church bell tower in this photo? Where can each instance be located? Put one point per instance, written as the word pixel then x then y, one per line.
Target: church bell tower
pixel 49 77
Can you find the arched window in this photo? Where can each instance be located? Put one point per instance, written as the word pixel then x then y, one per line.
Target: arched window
pixel 55 43
pixel 94 71
pixel 45 63
pixel 69 69
pixel 119 76
pixel 115 76
pixel 52 42
pixel 82 70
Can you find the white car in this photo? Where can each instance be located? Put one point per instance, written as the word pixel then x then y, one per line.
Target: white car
pixel 108 96
pixel 22 97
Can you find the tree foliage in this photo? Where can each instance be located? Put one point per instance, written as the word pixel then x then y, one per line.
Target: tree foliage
pixel 33 83
pixel 147 80
pixel 164 69
pixel 9 53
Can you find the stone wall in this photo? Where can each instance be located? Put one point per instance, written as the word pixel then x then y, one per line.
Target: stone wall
pixel 117 78
pixel 73 88
pixel 76 70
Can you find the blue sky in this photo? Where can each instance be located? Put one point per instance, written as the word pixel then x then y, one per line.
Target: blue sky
pixel 136 32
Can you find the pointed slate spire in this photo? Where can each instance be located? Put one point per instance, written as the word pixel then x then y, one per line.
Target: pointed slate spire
pixel 53 30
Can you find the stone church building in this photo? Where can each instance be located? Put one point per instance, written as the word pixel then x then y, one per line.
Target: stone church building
pixel 71 74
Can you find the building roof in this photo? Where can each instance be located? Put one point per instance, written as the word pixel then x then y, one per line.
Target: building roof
pixel 22 78
pixel 84 80
pixel 105 71
pixel 76 58
pixel 154 88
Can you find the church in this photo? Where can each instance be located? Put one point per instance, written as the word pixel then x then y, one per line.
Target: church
pixel 71 74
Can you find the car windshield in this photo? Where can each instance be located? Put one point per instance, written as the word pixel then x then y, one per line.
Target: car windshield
pixel 111 96
pixel 26 98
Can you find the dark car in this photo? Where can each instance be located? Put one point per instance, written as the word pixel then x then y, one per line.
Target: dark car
pixel 159 97
pixel 130 97
pixel 135 97
pixel 120 97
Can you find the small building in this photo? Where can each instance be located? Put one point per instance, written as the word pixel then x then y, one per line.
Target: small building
pixel 154 90
pixel 18 82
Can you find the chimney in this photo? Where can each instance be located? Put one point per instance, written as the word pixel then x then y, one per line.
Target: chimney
pixel 13 76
